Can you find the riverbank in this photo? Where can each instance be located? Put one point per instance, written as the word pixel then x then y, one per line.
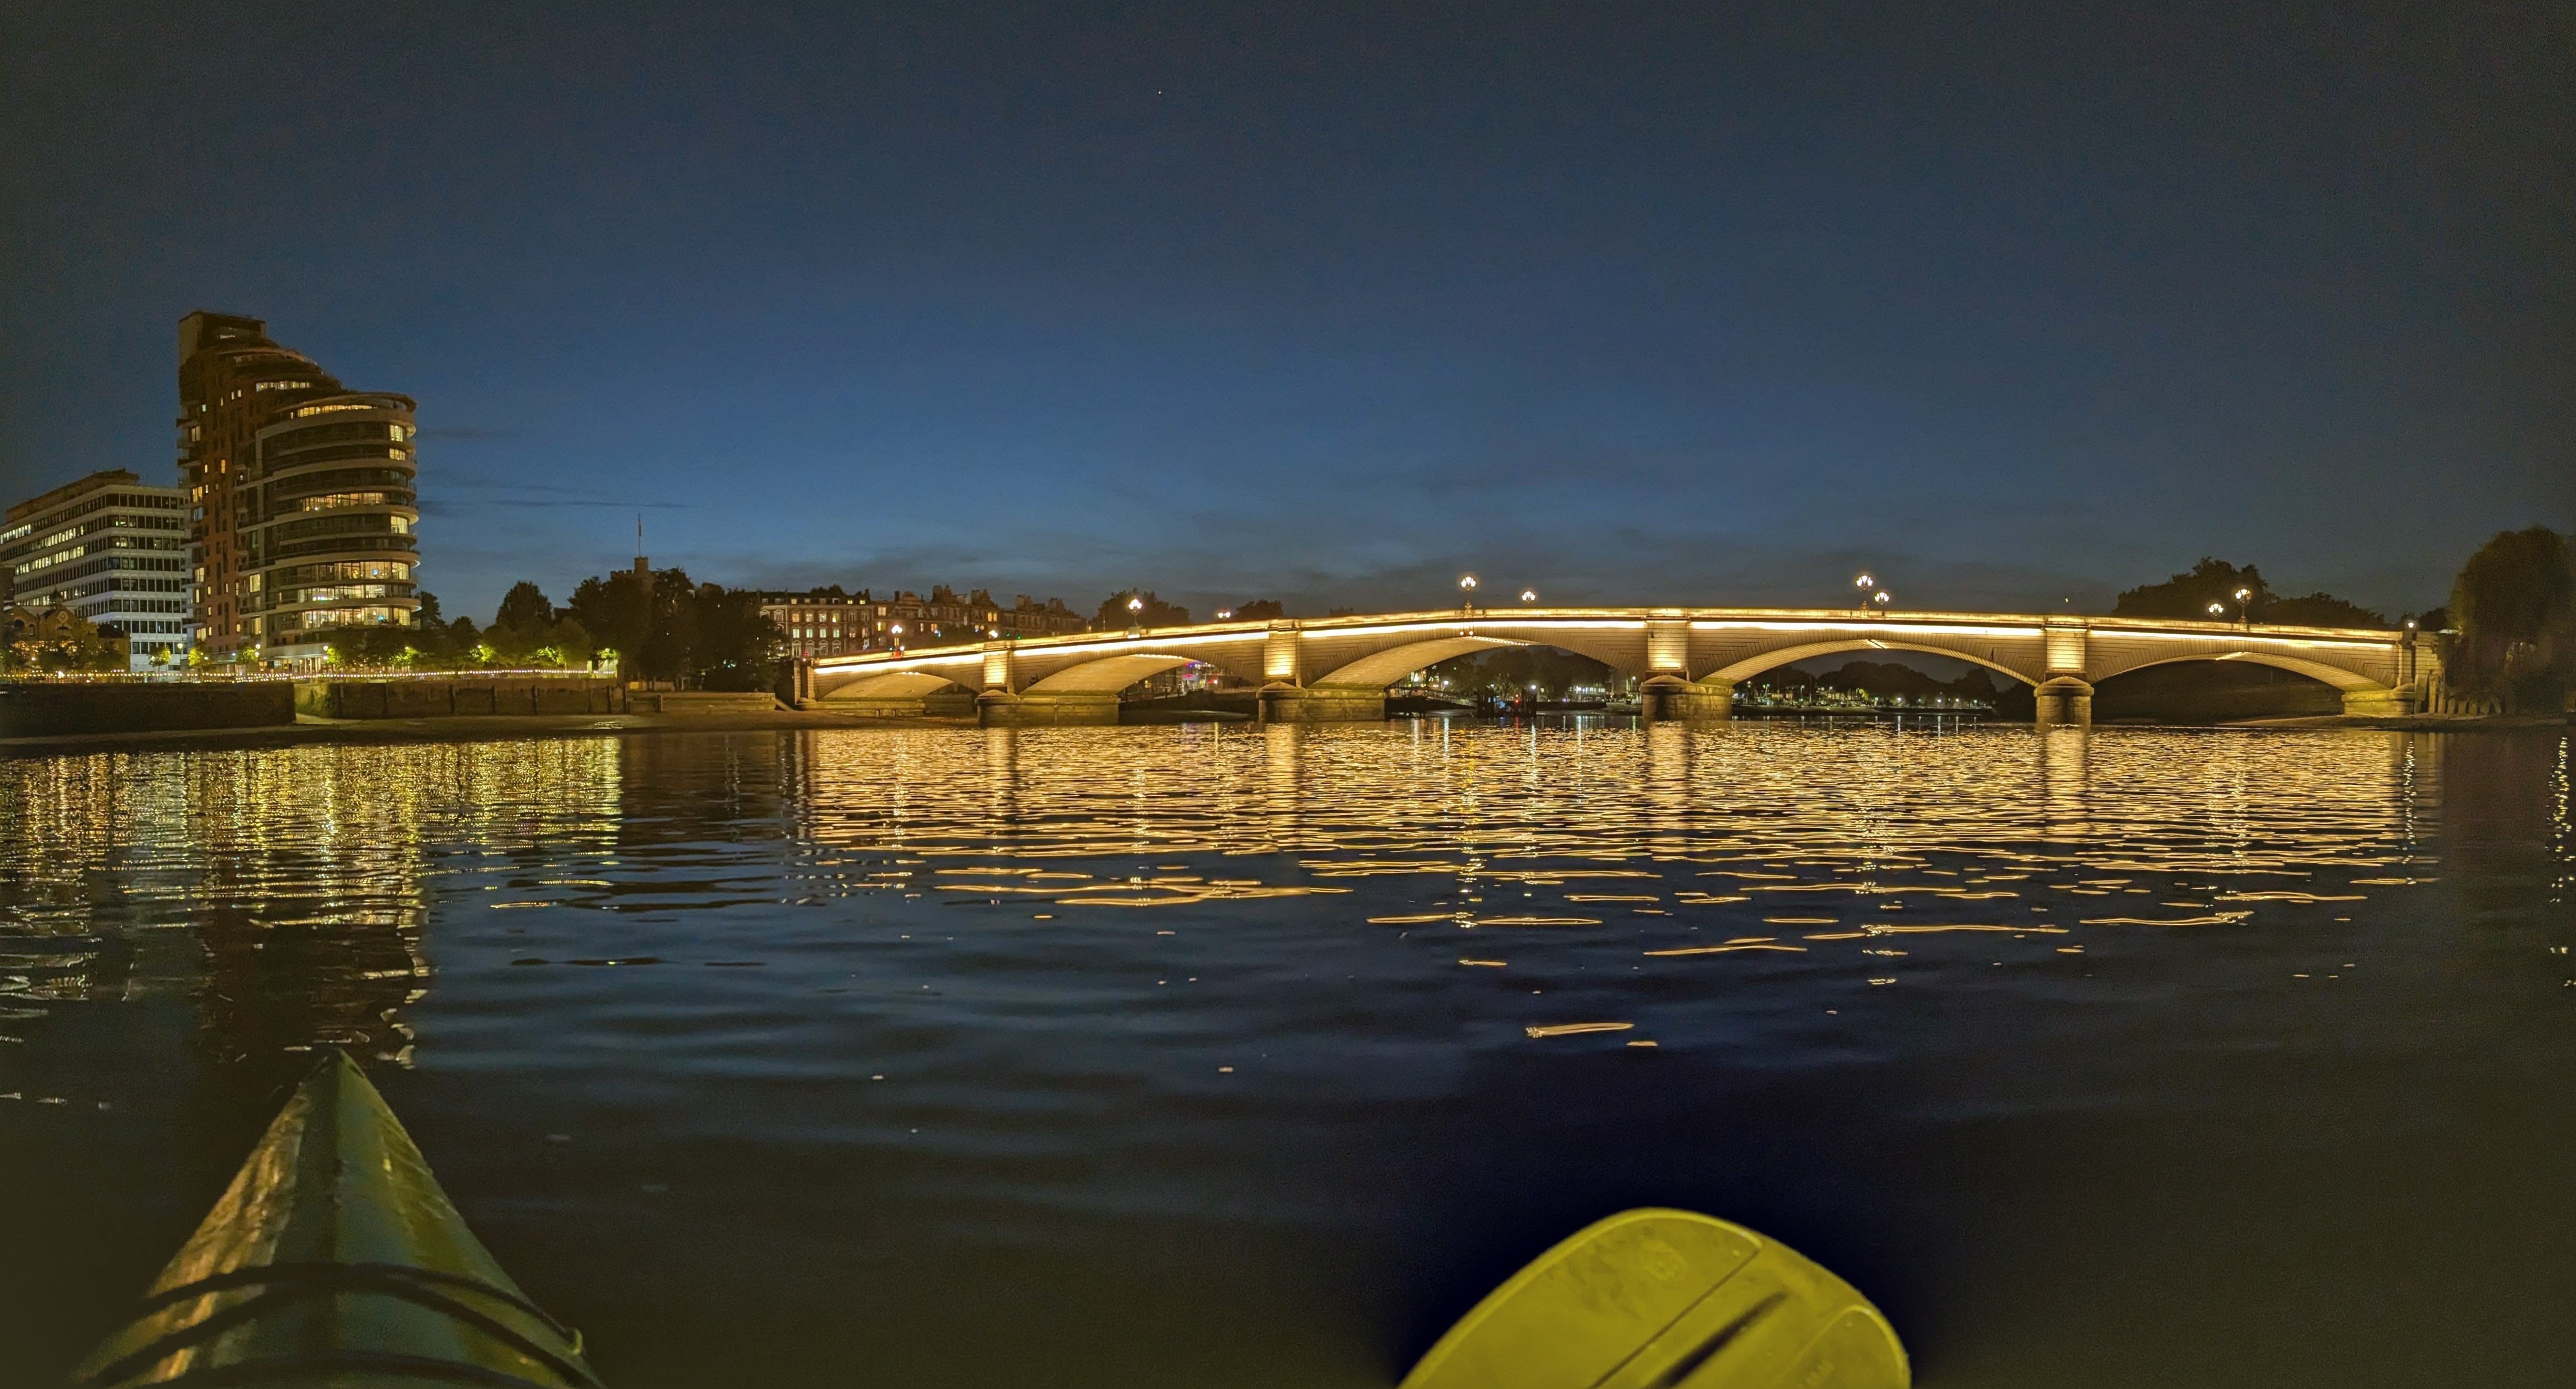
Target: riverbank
pixel 463 728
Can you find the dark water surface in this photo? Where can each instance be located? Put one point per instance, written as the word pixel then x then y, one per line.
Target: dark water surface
pixel 1202 1056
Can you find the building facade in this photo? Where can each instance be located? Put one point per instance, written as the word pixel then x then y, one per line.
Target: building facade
pixel 328 530
pixel 106 550
pixel 303 510
pixel 831 622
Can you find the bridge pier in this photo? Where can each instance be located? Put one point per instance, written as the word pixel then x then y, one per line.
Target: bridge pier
pixel 1694 701
pixel 1284 703
pixel 2379 703
pixel 1046 708
pixel 2063 699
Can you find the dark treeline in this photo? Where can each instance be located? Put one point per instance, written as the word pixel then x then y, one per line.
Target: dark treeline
pixel 1511 672
pixel 655 626
pixel 1887 679
pixel 2214 583
pixel 2512 617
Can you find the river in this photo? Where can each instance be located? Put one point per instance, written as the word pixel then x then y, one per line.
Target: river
pixel 1205 1055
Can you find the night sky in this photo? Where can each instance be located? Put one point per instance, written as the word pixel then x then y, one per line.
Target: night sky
pixel 1691 304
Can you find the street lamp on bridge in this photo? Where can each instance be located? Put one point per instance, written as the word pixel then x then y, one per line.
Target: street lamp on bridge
pixel 1864 583
pixel 1529 595
pixel 2244 611
pixel 1467 592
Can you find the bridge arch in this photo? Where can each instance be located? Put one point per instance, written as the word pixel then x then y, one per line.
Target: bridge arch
pixel 894 684
pixel 1379 669
pixel 2347 681
pixel 1108 674
pixel 1750 666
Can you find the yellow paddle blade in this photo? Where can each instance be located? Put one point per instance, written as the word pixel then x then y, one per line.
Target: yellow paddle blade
pixel 1665 1299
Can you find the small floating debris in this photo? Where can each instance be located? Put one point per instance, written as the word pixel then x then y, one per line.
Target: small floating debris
pixel 1574 1029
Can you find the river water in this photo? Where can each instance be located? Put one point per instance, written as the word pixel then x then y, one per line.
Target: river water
pixel 1205 1055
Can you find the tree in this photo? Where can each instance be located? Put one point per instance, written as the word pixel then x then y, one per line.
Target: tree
pixel 525 607
pixel 1114 612
pixel 2190 594
pixel 1260 609
pixel 617 613
pixel 2320 610
pixel 736 647
pixel 2515 606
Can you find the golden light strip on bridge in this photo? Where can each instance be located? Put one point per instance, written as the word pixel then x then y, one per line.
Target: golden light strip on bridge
pixel 1880 626
pixel 2241 637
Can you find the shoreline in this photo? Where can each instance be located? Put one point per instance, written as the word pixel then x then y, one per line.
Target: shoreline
pixel 475 728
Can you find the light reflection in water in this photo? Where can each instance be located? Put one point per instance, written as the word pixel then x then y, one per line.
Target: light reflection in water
pixel 1335 1023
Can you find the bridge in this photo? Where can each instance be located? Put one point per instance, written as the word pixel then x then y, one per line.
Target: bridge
pixel 1687 660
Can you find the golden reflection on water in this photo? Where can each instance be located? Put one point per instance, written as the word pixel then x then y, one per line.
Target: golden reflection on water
pixel 284 889
pixel 289 890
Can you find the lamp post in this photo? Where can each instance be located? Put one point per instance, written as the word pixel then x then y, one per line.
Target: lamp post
pixel 2219 611
pixel 1864 583
pixel 1529 595
pixel 1467 592
pixel 1882 598
pixel 2244 609
pixel 897 631
pixel 1225 614
pixel 1136 612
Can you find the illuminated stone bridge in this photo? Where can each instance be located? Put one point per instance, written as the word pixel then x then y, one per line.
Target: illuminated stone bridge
pixel 1687 660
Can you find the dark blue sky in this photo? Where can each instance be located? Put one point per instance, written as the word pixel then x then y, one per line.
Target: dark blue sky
pixel 1694 304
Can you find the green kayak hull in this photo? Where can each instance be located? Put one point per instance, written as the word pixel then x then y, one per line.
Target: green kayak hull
pixel 334 1261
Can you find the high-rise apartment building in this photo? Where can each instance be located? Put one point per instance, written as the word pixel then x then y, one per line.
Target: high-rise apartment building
pixel 108 550
pixel 303 509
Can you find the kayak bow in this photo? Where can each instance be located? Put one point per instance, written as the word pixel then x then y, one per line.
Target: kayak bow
pixel 334 1260
pixel 1666 1299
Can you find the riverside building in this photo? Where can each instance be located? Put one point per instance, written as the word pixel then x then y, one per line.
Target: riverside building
pixel 830 622
pixel 106 550
pixel 303 503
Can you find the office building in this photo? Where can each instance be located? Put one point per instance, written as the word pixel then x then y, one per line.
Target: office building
pixel 303 508
pixel 105 550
